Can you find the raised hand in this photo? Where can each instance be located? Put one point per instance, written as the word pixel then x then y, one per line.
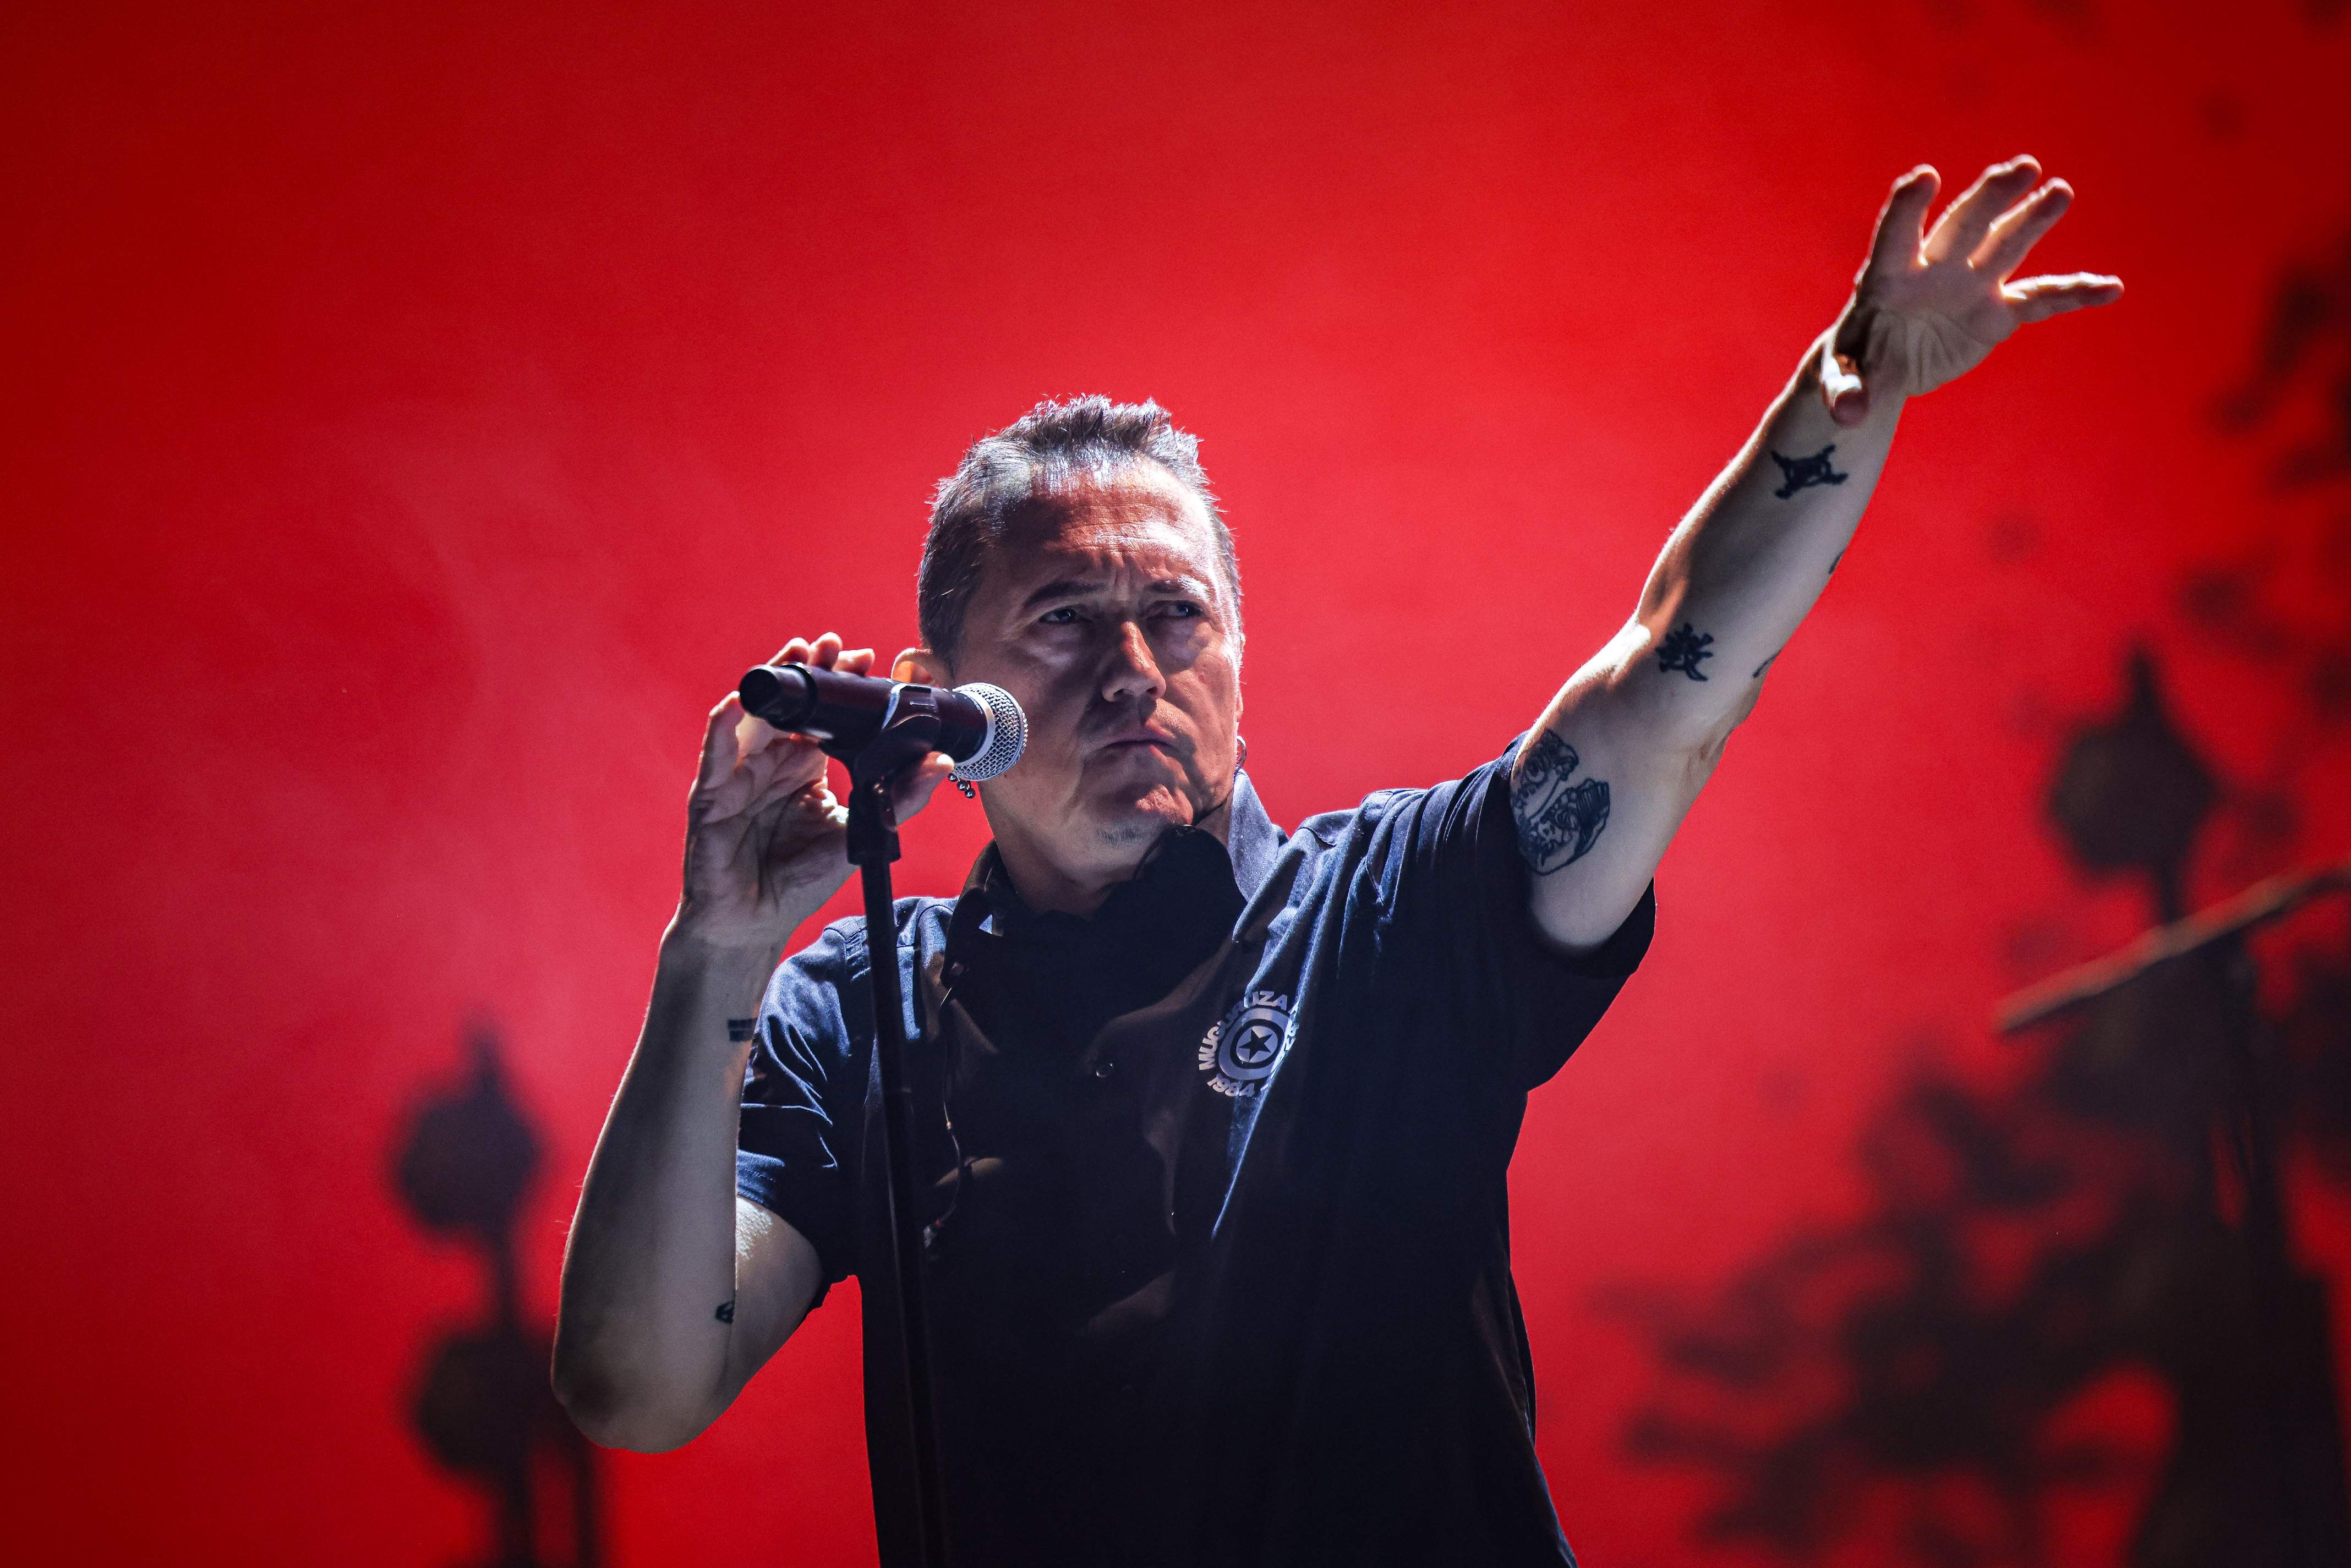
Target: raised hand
pixel 1929 303
pixel 766 839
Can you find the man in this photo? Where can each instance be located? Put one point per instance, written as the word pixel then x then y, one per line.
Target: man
pixel 1217 1249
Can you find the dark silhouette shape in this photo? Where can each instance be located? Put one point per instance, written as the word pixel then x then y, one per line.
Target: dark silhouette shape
pixel 484 1406
pixel 2029 1247
pixel 2131 793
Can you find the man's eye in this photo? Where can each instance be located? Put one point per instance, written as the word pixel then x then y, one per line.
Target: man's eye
pixel 1183 609
pixel 1066 615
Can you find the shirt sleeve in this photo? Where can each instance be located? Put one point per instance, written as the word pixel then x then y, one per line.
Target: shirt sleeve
pixel 791 1151
pixel 1460 895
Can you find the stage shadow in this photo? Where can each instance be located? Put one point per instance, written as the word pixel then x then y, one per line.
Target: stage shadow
pixel 483 1405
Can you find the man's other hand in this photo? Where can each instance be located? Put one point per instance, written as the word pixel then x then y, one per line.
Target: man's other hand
pixel 1929 303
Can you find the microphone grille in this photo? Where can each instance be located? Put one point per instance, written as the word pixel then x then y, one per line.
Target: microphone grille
pixel 1007 733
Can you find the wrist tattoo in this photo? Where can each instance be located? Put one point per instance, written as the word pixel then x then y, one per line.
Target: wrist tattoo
pixel 1832 565
pixel 1803 472
pixel 1762 667
pixel 741 1029
pixel 1558 821
pixel 1684 650
pixel 726 1311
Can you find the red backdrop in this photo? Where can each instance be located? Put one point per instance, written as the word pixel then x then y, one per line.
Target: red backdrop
pixel 417 418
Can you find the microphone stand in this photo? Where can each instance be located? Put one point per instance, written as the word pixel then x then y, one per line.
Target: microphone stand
pixel 910 735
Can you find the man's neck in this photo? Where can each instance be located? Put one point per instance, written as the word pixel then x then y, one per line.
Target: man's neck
pixel 1046 886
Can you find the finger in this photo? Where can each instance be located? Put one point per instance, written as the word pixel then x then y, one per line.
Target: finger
pixel 1965 221
pixel 768 750
pixel 1842 389
pixel 793 653
pixel 753 736
pixel 913 789
pixel 1901 222
pixel 2020 228
pixel 719 748
pixel 854 661
pixel 2039 299
pixel 827 650
pixel 791 771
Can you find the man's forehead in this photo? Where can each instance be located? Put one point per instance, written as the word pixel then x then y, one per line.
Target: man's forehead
pixel 1131 523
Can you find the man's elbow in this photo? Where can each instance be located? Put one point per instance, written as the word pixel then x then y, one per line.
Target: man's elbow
pixel 612 1414
pixel 1655 731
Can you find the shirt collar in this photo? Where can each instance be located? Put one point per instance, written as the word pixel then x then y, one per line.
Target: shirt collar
pixel 1251 846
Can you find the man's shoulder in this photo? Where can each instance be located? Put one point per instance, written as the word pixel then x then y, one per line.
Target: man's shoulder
pixel 840 947
pixel 1333 829
pixel 808 986
pixel 1357 825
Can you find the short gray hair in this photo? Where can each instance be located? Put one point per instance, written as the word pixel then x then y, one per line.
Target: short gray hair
pixel 1088 438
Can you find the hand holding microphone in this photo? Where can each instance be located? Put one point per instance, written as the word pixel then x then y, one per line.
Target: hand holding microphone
pixel 765 833
pixel 980 726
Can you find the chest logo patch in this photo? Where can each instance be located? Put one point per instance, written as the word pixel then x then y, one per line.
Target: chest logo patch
pixel 1238 1054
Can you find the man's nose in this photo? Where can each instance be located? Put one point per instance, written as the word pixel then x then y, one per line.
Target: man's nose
pixel 1134 673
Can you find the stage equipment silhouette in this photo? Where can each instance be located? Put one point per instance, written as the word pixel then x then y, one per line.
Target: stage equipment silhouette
pixel 484 1406
pixel 1917 1379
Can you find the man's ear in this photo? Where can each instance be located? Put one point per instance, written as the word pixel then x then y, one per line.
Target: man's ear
pixel 919 666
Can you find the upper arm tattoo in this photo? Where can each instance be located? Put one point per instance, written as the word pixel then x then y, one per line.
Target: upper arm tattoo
pixel 1558 821
pixel 1803 472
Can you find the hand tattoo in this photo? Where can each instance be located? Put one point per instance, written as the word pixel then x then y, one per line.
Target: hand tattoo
pixel 1683 649
pixel 726 1311
pixel 1558 822
pixel 1803 472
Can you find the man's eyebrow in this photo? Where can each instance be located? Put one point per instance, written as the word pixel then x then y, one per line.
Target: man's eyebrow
pixel 1062 588
pixel 1059 588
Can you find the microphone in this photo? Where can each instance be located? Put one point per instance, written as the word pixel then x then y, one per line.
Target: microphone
pixel 980 726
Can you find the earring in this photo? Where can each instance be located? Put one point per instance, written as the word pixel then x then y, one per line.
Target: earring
pixel 1240 749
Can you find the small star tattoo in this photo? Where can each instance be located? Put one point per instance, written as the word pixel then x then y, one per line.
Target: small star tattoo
pixel 1684 649
pixel 726 1311
pixel 1803 472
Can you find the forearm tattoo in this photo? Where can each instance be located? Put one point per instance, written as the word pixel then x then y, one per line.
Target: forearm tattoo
pixel 1684 650
pixel 741 1029
pixel 725 1313
pixel 1558 821
pixel 1803 472
pixel 1762 667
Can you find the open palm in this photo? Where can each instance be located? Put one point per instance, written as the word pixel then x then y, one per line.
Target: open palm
pixel 1929 303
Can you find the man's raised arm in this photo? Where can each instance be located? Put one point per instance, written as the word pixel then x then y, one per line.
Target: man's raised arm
pixel 1606 777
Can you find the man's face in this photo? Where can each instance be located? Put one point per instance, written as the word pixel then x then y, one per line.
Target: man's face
pixel 1104 611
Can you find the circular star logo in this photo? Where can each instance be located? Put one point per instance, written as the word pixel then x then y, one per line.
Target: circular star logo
pixel 1239 1053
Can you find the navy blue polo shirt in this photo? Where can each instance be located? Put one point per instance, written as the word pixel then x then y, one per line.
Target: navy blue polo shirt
pixel 1218 1259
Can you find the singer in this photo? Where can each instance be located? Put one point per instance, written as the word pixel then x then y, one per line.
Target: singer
pixel 1214 1119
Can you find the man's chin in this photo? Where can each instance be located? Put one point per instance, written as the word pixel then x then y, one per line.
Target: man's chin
pixel 1138 817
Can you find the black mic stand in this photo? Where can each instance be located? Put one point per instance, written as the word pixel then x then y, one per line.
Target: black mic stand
pixel 909 737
